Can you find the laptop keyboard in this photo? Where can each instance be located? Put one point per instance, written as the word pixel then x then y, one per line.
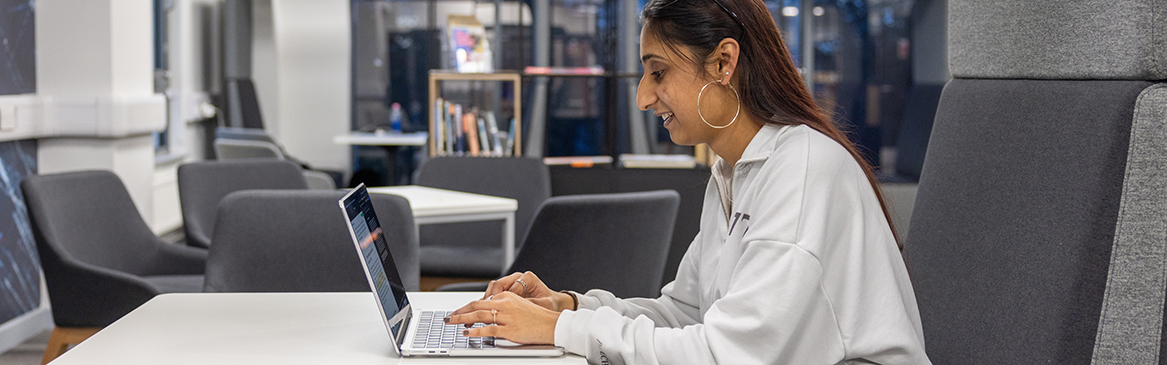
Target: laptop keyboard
pixel 433 332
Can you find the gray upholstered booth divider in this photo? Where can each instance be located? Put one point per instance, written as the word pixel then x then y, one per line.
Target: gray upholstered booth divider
pixel 1040 226
pixel 1066 40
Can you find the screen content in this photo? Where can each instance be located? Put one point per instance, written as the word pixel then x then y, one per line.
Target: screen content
pixel 371 238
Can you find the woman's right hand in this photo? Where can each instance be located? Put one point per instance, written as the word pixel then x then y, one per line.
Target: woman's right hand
pixel 528 285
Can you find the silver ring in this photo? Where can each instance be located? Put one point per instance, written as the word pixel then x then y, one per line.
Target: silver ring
pixel 524 285
pixel 494 316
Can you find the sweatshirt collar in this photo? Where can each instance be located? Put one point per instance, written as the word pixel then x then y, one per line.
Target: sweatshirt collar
pixel 762 145
pixel 758 149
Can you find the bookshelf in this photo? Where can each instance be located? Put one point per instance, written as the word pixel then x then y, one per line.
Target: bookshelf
pixel 437 76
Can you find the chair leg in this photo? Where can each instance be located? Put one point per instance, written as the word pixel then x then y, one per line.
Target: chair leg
pixel 63 337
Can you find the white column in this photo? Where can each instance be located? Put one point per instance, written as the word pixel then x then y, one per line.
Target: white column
pixel 301 64
pixel 192 63
pixel 96 91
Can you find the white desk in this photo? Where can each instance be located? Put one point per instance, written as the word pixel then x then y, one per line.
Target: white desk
pixel 264 328
pixel 390 141
pixel 382 139
pixel 432 205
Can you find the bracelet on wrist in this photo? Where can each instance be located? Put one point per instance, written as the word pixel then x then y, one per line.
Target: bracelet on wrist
pixel 574 299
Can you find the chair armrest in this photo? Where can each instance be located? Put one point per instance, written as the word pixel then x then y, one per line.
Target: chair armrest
pixel 319 180
pixel 471 286
pixel 84 295
pixel 196 239
pixel 179 260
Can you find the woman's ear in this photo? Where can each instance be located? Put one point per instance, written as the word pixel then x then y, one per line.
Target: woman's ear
pixel 726 56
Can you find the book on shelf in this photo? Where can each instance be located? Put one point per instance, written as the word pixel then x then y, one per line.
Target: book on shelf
pixel 496 138
pixel 467 131
pixel 459 130
pixel 444 113
pixel 577 161
pixel 483 138
pixel 642 161
pixel 437 126
pixel 510 146
pixel 470 130
pixel 451 133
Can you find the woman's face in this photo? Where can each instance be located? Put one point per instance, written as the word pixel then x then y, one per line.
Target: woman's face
pixel 670 86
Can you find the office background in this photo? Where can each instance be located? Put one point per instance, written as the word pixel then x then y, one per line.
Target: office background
pixel 133 86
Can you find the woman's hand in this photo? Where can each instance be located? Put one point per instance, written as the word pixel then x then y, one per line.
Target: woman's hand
pixel 514 318
pixel 528 285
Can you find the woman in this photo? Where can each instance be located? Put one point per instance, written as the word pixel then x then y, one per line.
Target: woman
pixel 795 262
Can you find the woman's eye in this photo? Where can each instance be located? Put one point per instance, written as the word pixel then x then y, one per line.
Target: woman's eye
pixel 658 74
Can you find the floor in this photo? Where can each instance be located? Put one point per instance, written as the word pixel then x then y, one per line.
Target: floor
pixel 28 353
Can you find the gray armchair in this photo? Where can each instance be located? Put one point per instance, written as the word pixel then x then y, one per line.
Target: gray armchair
pixel 616 242
pixel 249 143
pixel 202 185
pixel 100 260
pixel 298 241
pixel 474 249
pixel 234 149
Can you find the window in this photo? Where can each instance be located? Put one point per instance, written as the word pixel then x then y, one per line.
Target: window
pixel 161 72
pixel 862 68
pixel 855 55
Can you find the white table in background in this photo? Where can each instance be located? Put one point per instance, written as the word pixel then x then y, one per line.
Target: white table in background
pixel 264 328
pixel 432 205
pixel 390 141
pixel 382 139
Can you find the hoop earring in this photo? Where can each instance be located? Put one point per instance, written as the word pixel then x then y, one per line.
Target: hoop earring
pixel 735 95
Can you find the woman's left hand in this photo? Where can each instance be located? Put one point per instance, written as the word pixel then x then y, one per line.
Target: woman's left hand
pixel 515 319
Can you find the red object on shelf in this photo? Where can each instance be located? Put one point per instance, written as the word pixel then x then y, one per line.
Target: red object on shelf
pixel 538 70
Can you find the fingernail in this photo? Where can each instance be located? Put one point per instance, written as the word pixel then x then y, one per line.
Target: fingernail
pixel 447 319
pixel 466 333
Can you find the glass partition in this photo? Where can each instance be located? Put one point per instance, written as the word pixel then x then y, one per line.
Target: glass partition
pixel 855 54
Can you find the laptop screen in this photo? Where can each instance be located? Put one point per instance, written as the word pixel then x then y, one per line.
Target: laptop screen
pixel 382 272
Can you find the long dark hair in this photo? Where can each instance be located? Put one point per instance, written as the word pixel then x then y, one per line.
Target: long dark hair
pixel 770 86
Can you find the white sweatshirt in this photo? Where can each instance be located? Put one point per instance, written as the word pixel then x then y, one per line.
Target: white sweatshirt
pixel 805 270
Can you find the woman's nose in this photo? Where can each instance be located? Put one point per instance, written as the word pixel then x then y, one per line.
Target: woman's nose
pixel 644 96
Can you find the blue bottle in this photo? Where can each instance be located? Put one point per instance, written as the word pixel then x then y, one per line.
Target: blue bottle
pixel 395 117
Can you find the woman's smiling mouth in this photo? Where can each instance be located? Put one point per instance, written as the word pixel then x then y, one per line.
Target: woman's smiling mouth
pixel 667 117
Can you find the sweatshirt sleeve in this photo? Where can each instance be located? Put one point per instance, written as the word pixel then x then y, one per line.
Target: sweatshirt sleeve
pixel 753 322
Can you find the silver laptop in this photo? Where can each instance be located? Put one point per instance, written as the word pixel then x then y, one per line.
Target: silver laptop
pixel 415 331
